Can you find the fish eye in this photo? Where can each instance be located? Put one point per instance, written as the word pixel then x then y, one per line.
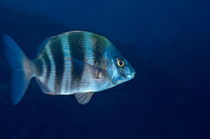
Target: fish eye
pixel 120 62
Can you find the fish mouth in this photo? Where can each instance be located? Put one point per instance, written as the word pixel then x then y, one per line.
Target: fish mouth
pixel 128 78
pixel 131 76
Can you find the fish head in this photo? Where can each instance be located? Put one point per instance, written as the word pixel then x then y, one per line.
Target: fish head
pixel 119 70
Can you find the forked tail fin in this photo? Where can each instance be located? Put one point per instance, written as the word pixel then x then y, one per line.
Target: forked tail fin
pixel 21 66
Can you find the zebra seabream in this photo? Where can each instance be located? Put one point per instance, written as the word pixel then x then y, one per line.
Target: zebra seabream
pixel 76 62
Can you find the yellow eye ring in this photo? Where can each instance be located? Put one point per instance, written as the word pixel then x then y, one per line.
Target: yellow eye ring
pixel 120 62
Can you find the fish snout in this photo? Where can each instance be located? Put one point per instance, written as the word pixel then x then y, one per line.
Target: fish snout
pixel 131 75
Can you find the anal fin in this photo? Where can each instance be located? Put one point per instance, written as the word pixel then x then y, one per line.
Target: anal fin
pixel 44 88
pixel 83 98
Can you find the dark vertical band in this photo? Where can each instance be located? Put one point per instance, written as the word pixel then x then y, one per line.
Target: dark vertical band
pixel 48 66
pixel 98 49
pixel 76 40
pixel 58 58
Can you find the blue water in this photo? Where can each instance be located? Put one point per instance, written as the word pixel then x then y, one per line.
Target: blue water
pixel 168 44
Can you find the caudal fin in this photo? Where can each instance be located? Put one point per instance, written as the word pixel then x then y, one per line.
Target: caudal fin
pixel 21 68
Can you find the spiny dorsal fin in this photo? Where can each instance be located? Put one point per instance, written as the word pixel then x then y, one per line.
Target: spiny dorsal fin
pixel 83 98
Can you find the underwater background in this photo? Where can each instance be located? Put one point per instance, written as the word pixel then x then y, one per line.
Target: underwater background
pixel 167 43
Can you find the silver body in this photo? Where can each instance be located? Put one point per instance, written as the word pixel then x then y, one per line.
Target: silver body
pixel 93 54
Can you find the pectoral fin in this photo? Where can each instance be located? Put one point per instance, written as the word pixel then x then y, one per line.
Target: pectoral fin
pixel 83 98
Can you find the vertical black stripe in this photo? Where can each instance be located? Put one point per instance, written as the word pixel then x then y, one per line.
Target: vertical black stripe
pixel 77 53
pixel 39 67
pixel 58 58
pixel 98 48
pixel 48 66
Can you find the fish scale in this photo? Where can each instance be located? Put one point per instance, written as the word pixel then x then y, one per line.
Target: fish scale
pixel 67 65
pixel 76 42
pixel 58 60
pixel 45 67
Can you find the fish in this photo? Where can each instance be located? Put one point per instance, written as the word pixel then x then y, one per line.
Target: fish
pixel 74 62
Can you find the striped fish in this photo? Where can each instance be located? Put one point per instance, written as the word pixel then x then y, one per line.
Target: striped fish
pixel 76 62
